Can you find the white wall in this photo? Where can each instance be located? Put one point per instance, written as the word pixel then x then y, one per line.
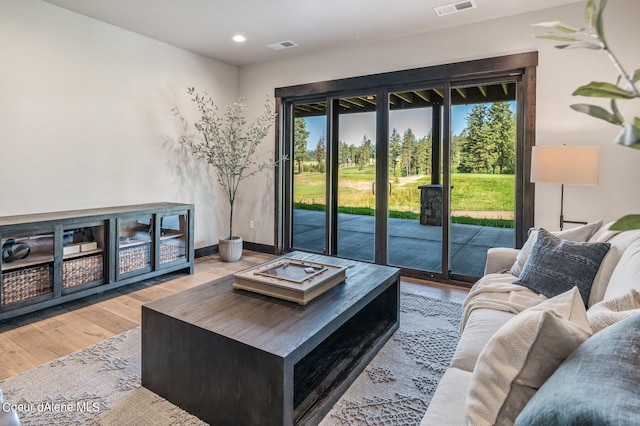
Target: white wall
pixel 86 117
pixel 85 111
pixel 559 73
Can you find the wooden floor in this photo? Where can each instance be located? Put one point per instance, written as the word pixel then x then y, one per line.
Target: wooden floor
pixel 34 339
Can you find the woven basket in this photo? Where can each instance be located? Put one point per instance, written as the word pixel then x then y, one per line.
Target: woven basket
pixel 170 251
pixel 134 258
pixel 82 270
pixel 23 284
pixel 139 257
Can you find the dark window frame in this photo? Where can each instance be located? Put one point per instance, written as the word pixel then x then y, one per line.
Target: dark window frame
pixel 519 67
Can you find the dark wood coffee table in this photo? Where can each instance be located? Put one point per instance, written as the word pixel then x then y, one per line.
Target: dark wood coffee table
pixel 233 357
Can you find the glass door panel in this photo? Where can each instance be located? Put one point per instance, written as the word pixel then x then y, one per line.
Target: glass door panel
pixel 134 244
pixel 27 266
pixel 415 213
pixel 356 173
pixel 173 238
pixel 483 137
pixel 309 163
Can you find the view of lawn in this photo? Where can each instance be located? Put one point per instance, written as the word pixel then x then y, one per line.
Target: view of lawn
pixel 482 157
pixel 472 195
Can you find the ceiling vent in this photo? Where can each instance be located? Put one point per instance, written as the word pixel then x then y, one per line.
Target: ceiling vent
pixel 455 7
pixel 282 45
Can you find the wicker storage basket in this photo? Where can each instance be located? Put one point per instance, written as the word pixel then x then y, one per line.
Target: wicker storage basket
pixel 82 270
pixel 171 250
pixel 134 258
pixel 139 256
pixel 25 283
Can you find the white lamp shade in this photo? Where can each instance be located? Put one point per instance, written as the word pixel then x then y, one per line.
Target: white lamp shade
pixel 576 165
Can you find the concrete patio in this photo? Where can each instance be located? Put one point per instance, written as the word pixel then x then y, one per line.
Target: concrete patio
pixel 411 245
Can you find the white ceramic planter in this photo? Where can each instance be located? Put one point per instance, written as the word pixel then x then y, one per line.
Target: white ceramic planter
pixel 230 249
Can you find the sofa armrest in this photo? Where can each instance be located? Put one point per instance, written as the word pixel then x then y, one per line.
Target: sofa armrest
pixel 500 259
pixel 8 417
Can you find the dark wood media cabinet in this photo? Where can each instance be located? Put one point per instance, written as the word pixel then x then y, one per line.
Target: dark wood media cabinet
pixel 52 258
pixel 233 357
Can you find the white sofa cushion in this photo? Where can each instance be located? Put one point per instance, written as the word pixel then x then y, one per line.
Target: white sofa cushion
pixel 447 402
pixel 579 234
pixel 626 275
pixel 604 234
pixel 522 355
pixel 481 325
pixel 620 243
pixel 500 259
pixel 609 311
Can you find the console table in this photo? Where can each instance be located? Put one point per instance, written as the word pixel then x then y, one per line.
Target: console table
pixel 233 357
pixel 51 258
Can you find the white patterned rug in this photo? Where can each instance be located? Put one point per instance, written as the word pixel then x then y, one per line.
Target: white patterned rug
pixel 100 385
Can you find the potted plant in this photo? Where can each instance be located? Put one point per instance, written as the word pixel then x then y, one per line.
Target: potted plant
pixel 228 145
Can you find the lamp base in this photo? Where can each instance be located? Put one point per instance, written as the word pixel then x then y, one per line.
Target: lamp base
pixel 562 221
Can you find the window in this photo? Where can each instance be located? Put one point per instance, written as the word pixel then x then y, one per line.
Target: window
pixel 375 161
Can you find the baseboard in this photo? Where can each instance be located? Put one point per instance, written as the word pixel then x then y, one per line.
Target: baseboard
pixel 262 248
pixel 206 251
pixel 247 245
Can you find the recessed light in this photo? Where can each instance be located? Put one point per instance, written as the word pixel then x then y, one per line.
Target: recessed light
pixel 239 38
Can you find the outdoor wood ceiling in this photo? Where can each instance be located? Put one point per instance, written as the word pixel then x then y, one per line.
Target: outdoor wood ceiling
pixel 416 99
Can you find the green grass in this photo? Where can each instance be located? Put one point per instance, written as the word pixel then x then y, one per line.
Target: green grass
pixel 310 187
pixel 365 211
pixel 478 192
pixel 494 223
pixel 471 192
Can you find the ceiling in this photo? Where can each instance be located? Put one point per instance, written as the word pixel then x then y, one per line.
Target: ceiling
pixel 207 26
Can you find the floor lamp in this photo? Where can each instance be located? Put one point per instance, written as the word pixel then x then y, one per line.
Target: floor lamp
pixel 565 164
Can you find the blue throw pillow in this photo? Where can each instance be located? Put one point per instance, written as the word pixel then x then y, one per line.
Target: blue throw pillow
pixel 599 384
pixel 557 265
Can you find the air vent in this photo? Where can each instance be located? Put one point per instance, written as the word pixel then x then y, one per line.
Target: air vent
pixel 455 7
pixel 282 45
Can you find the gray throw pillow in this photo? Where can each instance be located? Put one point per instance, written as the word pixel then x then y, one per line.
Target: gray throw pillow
pixel 579 233
pixel 596 385
pixel 557 265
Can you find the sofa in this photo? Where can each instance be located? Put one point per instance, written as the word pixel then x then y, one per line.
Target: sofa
pixel 549 335
pixel 8 416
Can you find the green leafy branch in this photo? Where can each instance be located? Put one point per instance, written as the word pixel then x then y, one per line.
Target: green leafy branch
pixel 592 37
pixel 227 144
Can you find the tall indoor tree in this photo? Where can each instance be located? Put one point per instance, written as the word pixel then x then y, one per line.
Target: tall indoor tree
pixel 229 145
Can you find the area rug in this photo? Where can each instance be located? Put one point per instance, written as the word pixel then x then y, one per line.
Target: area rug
pixel 100 385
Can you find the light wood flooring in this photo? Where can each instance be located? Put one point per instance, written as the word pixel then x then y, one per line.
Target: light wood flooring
pixel 34 339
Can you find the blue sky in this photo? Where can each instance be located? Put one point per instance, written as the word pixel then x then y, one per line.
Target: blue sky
pixel 354 126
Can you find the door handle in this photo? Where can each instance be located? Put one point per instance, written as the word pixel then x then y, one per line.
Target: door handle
pixel 373 188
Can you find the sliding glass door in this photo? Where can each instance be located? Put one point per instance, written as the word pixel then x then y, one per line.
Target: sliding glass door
pixel 483 181
pixel 309 176
pixel 356 176
pixel 415 209
pixel 426 177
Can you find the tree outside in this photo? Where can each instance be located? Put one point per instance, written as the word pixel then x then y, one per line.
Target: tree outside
pixel 482 157
pixel 300 135
pixel 487 144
